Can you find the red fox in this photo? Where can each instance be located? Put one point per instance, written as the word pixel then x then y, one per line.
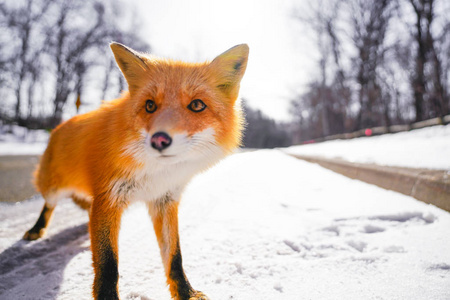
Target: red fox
pixel 176 120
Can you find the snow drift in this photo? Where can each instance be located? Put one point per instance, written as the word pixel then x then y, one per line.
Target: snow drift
pixel 427 148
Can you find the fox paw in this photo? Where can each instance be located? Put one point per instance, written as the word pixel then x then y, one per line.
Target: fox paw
pixel 199 296
pixel 32 235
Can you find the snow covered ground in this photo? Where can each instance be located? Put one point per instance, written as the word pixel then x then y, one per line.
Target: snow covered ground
pixel 421 148
pixel 260 225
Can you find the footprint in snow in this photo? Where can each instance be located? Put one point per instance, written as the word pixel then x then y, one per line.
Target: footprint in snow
pixel 406 217
pixel 425 218
pixel 357 245
pixel 372 229
pixel 443 267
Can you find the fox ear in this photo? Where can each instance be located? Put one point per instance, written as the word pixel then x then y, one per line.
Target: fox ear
pixel 131 63
pixel 229 67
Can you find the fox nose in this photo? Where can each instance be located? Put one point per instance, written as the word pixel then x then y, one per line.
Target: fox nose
pixel 160 141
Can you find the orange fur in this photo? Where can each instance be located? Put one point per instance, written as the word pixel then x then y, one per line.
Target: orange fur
pixel 103 159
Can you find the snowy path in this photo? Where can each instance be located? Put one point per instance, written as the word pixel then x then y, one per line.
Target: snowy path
pixel 260 225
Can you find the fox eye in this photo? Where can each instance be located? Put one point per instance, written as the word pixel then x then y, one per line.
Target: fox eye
pixel 197 105
pixel 150 106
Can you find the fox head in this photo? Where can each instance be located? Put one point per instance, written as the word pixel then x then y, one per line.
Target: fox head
pixel 184 110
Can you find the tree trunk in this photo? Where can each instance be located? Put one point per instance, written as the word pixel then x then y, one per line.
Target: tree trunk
pixel 30 98
pixel 59 102
pixel 18 98
pixel 418 82
pixel 441 102
pixel 324 101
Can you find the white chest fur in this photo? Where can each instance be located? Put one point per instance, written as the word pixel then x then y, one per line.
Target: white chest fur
pixel 156 180
pixel 151 184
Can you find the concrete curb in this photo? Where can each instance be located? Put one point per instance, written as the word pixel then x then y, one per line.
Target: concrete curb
pixel 429 186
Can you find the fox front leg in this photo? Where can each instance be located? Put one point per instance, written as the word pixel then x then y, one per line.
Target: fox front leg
pixel 39 229
pixel 104 225
pixel 164 214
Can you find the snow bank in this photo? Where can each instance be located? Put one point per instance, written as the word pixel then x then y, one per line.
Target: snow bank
pixel 422 148
pixel 16 140
pixel 260 225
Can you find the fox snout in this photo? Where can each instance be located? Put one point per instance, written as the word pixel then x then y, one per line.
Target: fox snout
pixel 160 141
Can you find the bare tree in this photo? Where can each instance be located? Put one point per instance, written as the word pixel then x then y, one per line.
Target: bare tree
pixel 439 96
pixel 70 45
pixel 422 8
pixel 430 96
pixel 322 17
pixel 23 21
pixel 369 20
pixel 3 57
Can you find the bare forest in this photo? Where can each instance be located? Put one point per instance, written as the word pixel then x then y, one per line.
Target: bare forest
pixel 381 63
pixel 53 54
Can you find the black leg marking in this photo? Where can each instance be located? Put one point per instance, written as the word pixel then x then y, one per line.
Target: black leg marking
pixel 177 275
pixel 43 219
pixel 37 230
pixel 108 275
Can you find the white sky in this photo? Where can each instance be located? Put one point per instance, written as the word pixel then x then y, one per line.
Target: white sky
pixel 199 30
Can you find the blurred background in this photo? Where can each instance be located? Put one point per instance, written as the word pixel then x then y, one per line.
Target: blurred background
pixel 316 68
